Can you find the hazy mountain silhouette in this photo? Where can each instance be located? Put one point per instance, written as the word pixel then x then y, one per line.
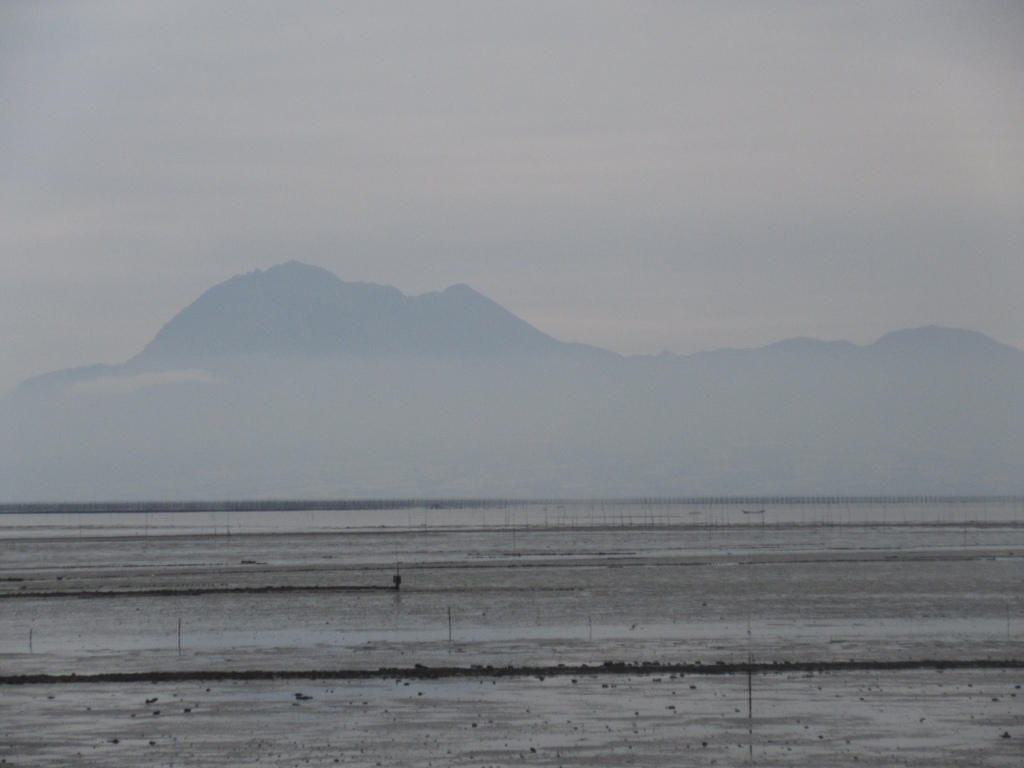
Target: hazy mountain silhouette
pixel 291 382
pixel 298 309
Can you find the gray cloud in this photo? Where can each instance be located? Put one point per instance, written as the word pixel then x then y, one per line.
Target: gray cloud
pixel 641 176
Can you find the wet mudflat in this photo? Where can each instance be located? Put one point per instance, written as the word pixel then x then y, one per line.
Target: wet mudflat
pixel 921 718
pixel 496 596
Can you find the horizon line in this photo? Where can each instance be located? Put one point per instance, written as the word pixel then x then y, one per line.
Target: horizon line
pixel 441 503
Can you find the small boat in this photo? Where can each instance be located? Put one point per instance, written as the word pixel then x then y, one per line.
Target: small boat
pixel 752 511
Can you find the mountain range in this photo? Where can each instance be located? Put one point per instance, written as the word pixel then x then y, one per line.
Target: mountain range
pixel 290 382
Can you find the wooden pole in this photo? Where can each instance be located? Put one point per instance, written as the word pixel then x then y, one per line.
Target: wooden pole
pixel 750 707
pixel 750 687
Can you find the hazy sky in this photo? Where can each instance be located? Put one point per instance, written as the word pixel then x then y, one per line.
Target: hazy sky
pixel 643 176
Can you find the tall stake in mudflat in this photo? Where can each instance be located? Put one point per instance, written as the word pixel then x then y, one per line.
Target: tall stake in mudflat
pixel 179 635
pixel 750 690
pixel 750 707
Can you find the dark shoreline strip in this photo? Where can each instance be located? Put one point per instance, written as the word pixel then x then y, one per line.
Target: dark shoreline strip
pixel 420 672
pixel 192 591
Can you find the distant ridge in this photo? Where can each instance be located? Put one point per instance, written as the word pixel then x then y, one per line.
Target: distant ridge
pixel 302 312
pixel 290 383
pixel 934 340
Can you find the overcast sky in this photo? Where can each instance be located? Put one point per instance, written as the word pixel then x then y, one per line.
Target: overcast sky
pixel 642 176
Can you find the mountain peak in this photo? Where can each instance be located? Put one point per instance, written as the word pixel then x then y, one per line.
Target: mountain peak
pixel 939 340
pixel 296 308
pixel 460 288
pixel 293 267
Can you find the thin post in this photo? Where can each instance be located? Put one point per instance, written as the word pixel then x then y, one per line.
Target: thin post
pixel 449 629
pixel 750 707
pixel 750 689
pixel 179 635
pixel 30 640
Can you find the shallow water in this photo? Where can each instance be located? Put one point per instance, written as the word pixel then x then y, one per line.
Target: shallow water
pixel 519 595
pixel 569 514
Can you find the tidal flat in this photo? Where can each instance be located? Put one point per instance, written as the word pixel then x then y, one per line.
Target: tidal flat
pixel 544 636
